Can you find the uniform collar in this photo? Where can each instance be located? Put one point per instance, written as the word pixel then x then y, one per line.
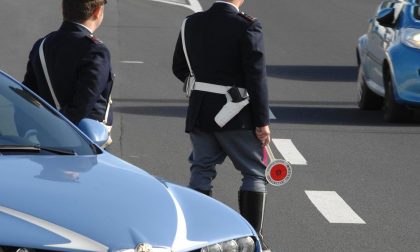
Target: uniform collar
pixel 84 26
pixel 231 4
pixel 71 26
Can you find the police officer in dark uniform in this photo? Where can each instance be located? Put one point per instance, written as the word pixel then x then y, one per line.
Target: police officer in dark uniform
pixel 225 51
pixel 78 64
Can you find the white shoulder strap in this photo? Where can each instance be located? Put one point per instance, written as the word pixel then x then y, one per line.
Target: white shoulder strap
pixel 107 109
pixel 184 46
pixel 47 76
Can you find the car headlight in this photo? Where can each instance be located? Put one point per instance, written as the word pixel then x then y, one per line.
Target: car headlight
pixel 411 37
pixel 245 244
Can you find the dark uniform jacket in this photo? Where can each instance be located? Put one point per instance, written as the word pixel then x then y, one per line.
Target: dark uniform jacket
pixel 80 71
pixel 225 48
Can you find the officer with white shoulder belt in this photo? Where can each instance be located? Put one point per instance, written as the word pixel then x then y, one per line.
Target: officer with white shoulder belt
pixel 220 57
pixel 71 68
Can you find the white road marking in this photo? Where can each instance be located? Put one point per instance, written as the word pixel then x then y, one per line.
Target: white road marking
pixel 131 62
pixel 193 5
pixel 272 116
pixel 289 151
pixel 333 207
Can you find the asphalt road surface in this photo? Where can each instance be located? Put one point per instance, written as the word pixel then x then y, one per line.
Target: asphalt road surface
pixel 355 183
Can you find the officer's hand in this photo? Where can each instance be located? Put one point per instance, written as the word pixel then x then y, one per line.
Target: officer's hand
pixel 263 134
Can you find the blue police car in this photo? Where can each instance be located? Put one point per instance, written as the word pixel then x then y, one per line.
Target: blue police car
pixel 59 191
pixel 388 56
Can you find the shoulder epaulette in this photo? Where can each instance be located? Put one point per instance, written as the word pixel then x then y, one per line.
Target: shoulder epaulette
pixel 94 39
pixel 247 17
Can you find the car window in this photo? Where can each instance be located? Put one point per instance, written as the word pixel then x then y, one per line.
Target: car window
pixel 7 126
pixel 397 5
pixel 417 11
pixel 25 121
pixel 386 4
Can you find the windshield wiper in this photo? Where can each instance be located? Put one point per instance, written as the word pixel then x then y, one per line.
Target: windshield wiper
pixel 35 148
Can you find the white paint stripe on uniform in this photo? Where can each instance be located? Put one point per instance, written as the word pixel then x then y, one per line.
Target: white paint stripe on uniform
pixel 333 207
pixel 131 62
pixel 289 151
pixel 193 5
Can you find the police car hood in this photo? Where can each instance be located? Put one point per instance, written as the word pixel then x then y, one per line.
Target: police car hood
pixel 101 203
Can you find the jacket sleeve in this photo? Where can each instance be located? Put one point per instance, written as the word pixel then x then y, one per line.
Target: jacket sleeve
pixel 30 79
pixel 179 63
pixel 253 63
pixel 93 74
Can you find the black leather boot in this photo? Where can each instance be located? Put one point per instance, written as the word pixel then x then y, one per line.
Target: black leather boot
pixel 251 207
pixel 206 192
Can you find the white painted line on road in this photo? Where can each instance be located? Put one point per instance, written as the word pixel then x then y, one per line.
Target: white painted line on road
pixel 131 62
pixel 333 207
pixel 272 116
pixel 289 151
pixel 193 5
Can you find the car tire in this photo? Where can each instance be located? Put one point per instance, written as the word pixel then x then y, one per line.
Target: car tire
pixel 393 112
pixel 366 100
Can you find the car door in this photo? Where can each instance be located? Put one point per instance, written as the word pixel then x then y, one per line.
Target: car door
pixel 378 39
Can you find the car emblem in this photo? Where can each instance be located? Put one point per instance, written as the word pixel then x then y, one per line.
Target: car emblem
pixel 144 247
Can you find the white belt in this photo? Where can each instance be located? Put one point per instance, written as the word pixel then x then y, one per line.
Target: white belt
pixel 217 89
pixel 230 109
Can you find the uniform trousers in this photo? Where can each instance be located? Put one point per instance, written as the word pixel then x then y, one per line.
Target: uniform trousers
pixel 241 146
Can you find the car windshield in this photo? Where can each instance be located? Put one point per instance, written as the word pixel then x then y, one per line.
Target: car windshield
pixel 29 127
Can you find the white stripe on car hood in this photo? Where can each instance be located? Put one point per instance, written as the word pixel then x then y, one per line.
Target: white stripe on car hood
pixel 77 241
pixel 181 241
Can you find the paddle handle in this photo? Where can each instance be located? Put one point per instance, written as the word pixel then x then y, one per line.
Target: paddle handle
pixel 270 153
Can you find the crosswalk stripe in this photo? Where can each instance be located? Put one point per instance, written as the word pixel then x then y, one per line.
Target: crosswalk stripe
pixel 131 62
pixel 193 5
pixel 333 207
pixel 289 151
pixel 271 114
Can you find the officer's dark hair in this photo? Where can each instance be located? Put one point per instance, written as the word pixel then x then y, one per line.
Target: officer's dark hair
pixel 80 10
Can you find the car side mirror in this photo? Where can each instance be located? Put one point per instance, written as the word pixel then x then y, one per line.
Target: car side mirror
pixel 386 17
pixel 96 131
